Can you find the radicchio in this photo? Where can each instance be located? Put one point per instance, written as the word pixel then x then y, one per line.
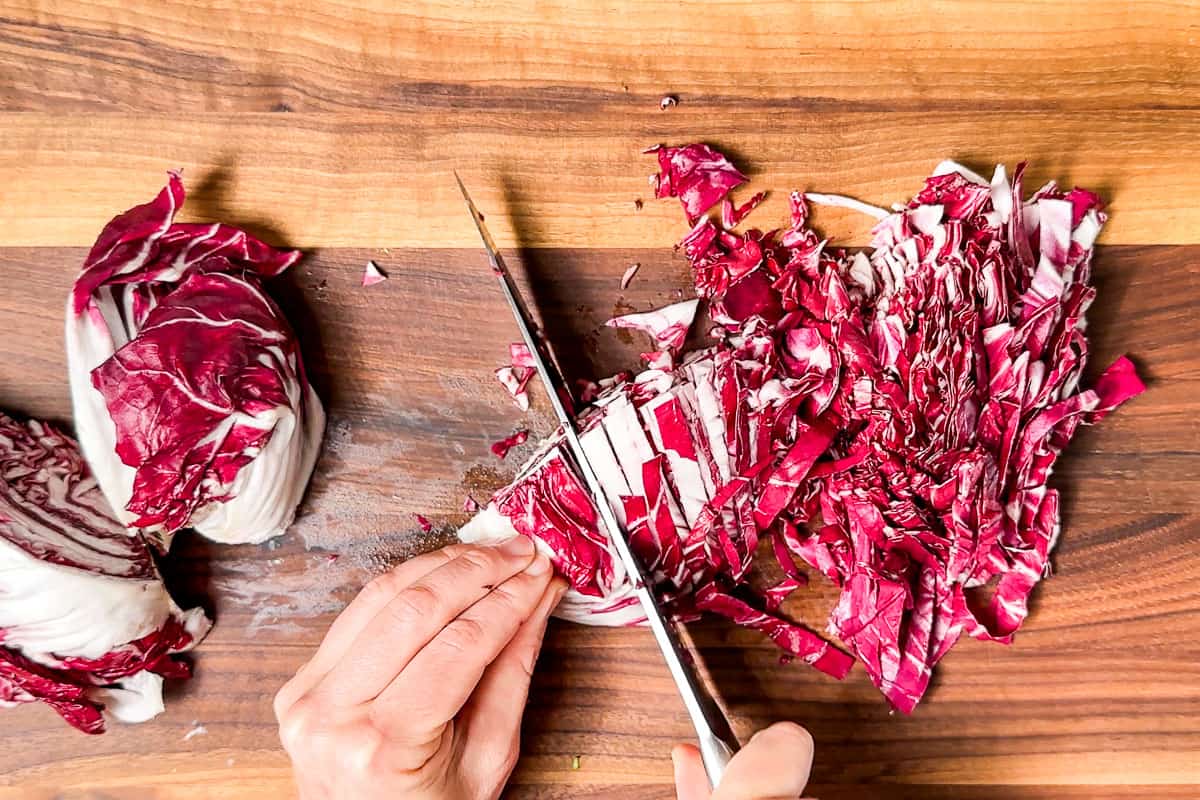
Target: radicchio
pixel 668 327
pixel 190 397
pixel 85 622
pixel 660 451
pixel 697 174
pixel 373 274
pixel 515 379
pixel 889 417
pixel 500 448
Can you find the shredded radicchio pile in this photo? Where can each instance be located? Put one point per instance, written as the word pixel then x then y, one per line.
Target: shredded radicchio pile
pixel 85 622
pixel 191 401
pixel 888 417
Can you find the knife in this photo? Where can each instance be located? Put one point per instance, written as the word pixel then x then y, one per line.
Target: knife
pixel 716 738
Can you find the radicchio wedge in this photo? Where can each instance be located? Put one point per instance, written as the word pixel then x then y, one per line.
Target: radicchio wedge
pixel 190 397
pixel 85 622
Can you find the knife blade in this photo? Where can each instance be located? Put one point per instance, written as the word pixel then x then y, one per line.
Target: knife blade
pixel 716 738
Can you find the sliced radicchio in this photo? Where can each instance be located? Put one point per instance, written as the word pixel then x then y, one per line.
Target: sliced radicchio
pixel 667 326
pixel 190 397
pixel 500 449
pixel 85 621
pixel 697 174
pixel 889 417
pixel 515 379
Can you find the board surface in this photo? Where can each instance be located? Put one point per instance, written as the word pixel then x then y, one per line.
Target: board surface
pixel 335 128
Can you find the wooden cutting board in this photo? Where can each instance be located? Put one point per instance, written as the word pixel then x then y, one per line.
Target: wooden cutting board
pixel 335 128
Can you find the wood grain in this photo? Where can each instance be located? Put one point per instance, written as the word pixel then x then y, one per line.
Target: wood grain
pixel 562 177
pixel 1102 687
pixel 334 126
pixel 147 55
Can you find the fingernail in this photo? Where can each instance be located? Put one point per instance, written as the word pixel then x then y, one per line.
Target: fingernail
pixel 518 546
pixel 540 566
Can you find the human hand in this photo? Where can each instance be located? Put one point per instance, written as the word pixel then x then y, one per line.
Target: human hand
pixel 774 765
pixel 418 689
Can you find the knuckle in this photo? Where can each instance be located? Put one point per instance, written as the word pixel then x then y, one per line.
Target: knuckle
pixel 282 700
pixel 298 725
pixel 521 593
pixel 357 755
pixel 510 595
pixel 463 635
pixel 506 758
pixel 453 551
pixel 416 602
pixel 411 746
pixel 385 585
pixel 477 559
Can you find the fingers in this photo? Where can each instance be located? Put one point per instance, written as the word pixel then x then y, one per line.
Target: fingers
pixel 437 681
pixel 374 597
pixel 492 717
pixel 409 621
pixel 774 765
pixel 691 781
pixel 354 617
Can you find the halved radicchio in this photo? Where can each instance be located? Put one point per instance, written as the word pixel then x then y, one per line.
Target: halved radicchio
pixel 888 417
pixel 191 401
pixel 85 622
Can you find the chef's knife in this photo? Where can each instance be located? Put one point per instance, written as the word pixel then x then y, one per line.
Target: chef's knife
pixel 717 741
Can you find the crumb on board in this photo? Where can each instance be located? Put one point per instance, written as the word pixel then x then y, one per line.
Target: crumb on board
pixel 576 762
pixel 629 273
pixel 484 480
pixel 196 730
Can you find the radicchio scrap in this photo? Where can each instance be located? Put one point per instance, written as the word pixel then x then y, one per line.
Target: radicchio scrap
pixel 515 378
pixel 373 274
pixel 500 449
pixel 86 624
pixel 668 326
pixel 697 174
pixel 888 417
pixel 627 276
pixel 190 397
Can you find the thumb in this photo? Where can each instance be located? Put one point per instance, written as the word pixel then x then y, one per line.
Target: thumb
pixel 774 765
pixel 691 781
